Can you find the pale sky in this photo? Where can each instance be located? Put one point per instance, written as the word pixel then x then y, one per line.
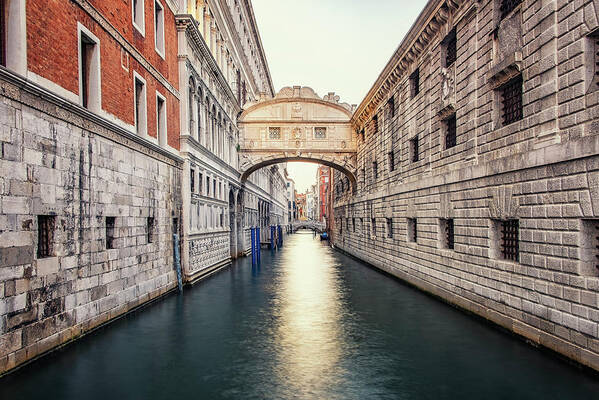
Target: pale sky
pixel 336 46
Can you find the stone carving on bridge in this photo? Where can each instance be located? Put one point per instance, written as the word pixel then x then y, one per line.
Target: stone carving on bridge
pixel 297 124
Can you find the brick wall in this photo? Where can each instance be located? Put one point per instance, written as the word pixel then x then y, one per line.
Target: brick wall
pixel 541 170
pixel 52 53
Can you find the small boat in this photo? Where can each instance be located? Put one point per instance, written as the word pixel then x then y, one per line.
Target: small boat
pixel 324 236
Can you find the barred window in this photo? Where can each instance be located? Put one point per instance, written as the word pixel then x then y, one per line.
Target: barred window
pixel 45 235
pixel 391 157
pixel 373 221
pixel 110 222
pixel 511 94
pixel 414 149
pixel 447 233
pixel 412 230
pixel 389 227
pixel 450 132
pixel 451 51
pixel 415 82
pixel 353 221
pixel 150 229
pixel 320 133
pixel 507 6
pixel 510 240
pixel 391 107
pixel 375 169
pixel 274 133
pixel 375 124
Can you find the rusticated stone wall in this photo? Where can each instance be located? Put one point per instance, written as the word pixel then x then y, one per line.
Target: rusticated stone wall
pixel 58 160
pixel 541 170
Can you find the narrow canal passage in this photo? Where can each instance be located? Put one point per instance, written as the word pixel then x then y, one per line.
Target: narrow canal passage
pixel 310 323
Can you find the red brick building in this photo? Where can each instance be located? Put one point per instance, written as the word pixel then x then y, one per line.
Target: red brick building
pixel 323 174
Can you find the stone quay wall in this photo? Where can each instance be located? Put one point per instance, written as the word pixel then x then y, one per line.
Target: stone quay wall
pixel 437 211
pixel 77 171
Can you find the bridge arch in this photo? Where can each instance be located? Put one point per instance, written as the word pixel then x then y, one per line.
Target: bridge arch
pixel 297 125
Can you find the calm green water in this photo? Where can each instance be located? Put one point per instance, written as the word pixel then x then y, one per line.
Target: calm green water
pixel 310 323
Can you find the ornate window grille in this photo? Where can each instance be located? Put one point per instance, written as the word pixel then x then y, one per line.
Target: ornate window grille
pixel 510 240
pixel 415 82
pixel 511 93
pixel 320 133
pixel 450 133
pixel 45 236
pixel 451 50
pixel 507 6
pixel 274 133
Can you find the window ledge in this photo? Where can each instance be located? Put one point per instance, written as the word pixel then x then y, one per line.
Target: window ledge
pixel 505 69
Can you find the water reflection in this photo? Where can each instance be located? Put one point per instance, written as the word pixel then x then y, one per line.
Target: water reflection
pixel 308 317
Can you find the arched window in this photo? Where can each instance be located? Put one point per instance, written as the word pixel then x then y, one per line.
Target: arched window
pixel 199 115
pixel 190 105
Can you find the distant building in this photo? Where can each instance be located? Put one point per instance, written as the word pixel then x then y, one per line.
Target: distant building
pixel 323 174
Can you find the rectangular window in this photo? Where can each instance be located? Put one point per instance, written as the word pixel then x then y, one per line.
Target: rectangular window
pixel 415 83
pixel 89 70
pixel 391 157
pixel 45 235
pixel 138 16
pixel 447 233
pixel 320 133
pixel 274 133
pixel 214 188
pixel 140 105
pixel 507 6
pixel 389 227
pixel 414 150
pixel 110 222
pixel 373 221
pixel 161 119
pixel 150 229
pixel 207 186
pixel 510 249
pixel 511 94
pixel 353 222
pixel 375 124
pixel 450 46
pixel 192 180
pixel 412 230
pixel 589 248
pixel 391 107
pixel 200 182
pixel 159 28
pixel 450 132
pixel 375 169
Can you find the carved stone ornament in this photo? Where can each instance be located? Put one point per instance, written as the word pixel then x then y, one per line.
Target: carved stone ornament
pixel 447 83
pixel 297 133
pixel 297 143
pixel 296 110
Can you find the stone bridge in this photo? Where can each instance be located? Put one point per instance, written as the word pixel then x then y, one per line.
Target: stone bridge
pixel 316 225
pixel 297 125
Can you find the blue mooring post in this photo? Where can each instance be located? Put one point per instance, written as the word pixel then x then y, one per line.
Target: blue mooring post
pixel 272 237
pixel 258 244
pixel 253 249
pixel 280 231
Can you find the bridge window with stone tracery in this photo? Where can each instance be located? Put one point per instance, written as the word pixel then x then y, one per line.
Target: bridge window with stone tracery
pixel 274 133
pixel 320 133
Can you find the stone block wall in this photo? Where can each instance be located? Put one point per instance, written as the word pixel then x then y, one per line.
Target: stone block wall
pixel 540 170
pixel 59 161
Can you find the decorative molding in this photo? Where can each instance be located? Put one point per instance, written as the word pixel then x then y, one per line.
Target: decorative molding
pixel 505 70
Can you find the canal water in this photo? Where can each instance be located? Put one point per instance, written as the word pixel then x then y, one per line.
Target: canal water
pixel 309 323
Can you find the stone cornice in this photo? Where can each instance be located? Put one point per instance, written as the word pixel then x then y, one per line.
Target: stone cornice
pixel 216 161
pixel 116 35
pixel 435 14
pixel 21 90
pixel 185 22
